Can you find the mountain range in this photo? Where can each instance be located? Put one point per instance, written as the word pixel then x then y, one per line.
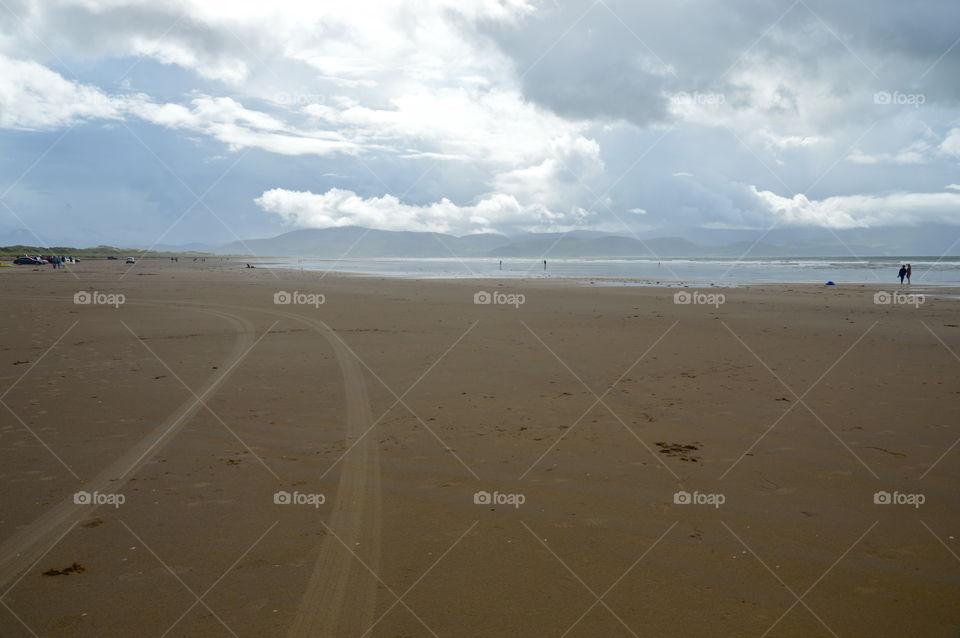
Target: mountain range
pixel 364 243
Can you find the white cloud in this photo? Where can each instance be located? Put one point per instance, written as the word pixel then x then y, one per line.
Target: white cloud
pixel 496 126
pixel 453 99
pixel 917 153
pixel 558 179
pixel 951 144
pixel 338 207
pixel 33 97
pixel 775 141
pixel 230 122
pixel 862 211
pixel 355 43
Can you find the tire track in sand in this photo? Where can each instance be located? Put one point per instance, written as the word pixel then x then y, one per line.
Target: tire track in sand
pixel 30 543
pixel 340 597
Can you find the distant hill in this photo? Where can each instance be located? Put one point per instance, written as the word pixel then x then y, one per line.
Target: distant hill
pixel 365 243
pixel 360 243
pixel 193 247
pixel 9 252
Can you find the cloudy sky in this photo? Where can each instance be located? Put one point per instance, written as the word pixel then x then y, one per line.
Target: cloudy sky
pixel 133 122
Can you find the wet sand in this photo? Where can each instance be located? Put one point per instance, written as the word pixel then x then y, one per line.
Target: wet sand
pixel 194 405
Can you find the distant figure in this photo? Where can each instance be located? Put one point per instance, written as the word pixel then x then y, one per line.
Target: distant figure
pixel 501 264
pixel 902 273
pixel 909 270
pixel 249 266
pixel 544 264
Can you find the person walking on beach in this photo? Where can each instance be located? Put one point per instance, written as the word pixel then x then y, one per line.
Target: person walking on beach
pixel 902 273
pixel 909 270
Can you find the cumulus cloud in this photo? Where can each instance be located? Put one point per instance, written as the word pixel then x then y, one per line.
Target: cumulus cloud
pixel 951 144
pixel 452 99
pixel 35 98
pixel 559 178
pixel 862 211
pixel 229 122
pixel 493 126
pixel 916 153
pixel 338 207
pixel 229 41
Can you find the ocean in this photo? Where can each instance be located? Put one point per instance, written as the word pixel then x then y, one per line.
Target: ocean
pixel 933 271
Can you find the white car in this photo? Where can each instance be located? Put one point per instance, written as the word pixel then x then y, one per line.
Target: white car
pixel 131 260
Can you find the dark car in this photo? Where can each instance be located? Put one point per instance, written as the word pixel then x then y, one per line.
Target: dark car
pixel 111 257
pixel 27 261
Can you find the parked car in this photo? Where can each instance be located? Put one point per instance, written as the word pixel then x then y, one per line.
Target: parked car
pixel 131 260
pixel 112 257
pixel 28 261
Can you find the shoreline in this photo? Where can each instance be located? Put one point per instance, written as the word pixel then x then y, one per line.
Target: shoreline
pixel 187 269
pixel 640 282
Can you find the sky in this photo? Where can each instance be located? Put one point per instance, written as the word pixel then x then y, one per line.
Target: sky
pixel 137 123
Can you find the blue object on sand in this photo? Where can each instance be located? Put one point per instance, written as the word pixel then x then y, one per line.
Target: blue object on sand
pixel 830 283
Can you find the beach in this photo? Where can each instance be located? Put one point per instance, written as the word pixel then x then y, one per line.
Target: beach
pixel 202 449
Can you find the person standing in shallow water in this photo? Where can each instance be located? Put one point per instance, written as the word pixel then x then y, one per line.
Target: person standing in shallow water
pixel 909 271
pixel 902 273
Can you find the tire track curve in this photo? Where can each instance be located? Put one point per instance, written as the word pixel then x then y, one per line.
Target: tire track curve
pixel 22 550
pixel 340 598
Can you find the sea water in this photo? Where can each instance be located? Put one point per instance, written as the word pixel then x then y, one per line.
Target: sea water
pixel 934 271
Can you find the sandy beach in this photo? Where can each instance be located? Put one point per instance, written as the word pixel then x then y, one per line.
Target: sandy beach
pixel 200 449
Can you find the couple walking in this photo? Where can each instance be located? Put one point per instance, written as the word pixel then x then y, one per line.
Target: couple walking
pixel 905 271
